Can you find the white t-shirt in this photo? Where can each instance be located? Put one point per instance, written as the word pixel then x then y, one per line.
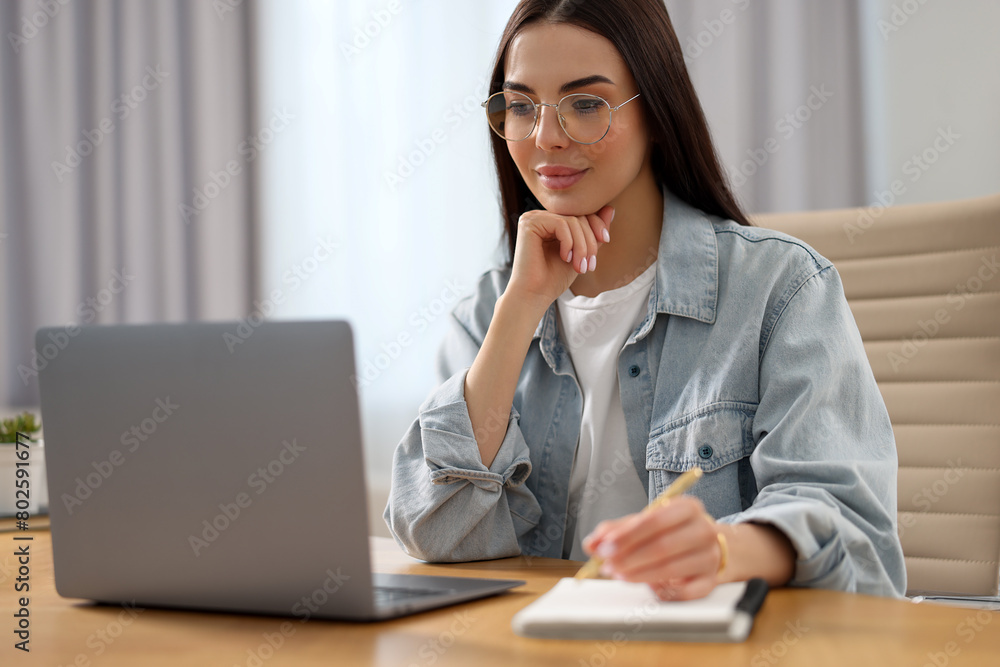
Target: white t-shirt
pixel 604 483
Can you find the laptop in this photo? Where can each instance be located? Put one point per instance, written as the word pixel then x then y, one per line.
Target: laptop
pixel 217 466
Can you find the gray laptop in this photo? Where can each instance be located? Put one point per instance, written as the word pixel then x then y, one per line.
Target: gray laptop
pixel 217 466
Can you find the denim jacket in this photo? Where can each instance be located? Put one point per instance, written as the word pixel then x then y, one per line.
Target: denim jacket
pixel 748 364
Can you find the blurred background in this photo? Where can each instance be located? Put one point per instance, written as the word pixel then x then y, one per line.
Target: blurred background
pixel 174 160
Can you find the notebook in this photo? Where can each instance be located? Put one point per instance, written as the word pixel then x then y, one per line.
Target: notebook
pixel 619 610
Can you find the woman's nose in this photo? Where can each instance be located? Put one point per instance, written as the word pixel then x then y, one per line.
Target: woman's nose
pixel 549 133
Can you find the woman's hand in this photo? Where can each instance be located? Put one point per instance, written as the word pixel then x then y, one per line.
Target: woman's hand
pixel 673 548
pixel 552 250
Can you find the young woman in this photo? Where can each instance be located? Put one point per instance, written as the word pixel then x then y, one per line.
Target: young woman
pixel 643 327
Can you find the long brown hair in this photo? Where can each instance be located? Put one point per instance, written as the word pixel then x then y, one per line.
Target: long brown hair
pixel 684 158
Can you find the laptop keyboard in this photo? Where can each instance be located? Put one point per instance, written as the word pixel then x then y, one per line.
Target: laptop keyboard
pixel 392 595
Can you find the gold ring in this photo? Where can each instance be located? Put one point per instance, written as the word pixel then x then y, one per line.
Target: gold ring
pixel 724 553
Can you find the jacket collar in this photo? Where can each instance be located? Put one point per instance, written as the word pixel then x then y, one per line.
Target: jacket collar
pixel 687 270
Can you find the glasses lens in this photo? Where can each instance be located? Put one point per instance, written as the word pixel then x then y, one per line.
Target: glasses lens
pixel 511 115
pixel 585 118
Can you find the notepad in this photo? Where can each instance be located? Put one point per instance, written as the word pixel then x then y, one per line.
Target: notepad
pixel 619 610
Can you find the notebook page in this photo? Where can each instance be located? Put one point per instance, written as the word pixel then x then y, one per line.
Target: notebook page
pixel 633 604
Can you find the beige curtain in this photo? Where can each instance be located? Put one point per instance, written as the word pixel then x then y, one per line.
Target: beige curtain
pixel 126 169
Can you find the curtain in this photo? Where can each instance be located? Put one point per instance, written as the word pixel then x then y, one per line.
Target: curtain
pixel 782 85
pixel 127 181
pixel 381 206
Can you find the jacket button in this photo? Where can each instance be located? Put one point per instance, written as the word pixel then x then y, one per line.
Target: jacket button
pixel 633 371
pixel 705 451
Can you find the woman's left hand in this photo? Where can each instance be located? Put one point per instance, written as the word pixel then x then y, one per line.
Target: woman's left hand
pixel 674 548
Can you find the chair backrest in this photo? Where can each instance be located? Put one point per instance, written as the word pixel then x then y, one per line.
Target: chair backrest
pixel 923 282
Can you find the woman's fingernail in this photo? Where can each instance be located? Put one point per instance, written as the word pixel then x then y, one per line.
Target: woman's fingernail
pixel 606 550
pixel 569 257
pixel 607 236
pixel 612 216
pixel 583 265
pixel 606 570
pixel 593 263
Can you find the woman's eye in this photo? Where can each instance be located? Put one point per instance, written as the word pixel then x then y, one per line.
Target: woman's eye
pixel 520 109
pixel 585 105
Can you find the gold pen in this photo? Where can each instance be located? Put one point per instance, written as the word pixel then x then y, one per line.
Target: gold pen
pixel 592 567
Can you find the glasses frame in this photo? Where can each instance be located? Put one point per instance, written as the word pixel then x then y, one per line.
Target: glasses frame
pixel 562 121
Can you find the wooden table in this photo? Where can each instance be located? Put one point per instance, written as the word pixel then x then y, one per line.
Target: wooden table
pixel 795 627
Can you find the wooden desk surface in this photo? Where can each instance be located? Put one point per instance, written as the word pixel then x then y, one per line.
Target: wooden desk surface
pixel 795 627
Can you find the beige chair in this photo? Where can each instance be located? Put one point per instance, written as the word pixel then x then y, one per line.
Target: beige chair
pixel 923 283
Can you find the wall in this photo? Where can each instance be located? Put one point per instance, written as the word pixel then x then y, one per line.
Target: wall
pixel 939 129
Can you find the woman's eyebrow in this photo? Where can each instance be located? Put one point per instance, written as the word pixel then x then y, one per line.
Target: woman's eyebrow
pixel 566 87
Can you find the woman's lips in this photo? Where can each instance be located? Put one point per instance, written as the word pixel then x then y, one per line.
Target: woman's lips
pixel 559 178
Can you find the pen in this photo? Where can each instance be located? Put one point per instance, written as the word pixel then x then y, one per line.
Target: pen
pixel 592 567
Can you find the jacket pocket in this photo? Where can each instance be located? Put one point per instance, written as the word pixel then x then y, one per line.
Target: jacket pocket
pixel 710 438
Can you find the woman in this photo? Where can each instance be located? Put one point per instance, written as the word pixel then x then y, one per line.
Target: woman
pixel 642 327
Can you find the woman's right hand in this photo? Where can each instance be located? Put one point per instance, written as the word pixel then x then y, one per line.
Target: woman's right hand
pixel 552 250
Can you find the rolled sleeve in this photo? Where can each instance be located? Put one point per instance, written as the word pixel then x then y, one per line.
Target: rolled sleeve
pixel 450 448
pixel 445 505
pixel 825 460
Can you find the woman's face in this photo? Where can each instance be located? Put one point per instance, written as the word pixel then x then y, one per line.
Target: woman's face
pixel 548 61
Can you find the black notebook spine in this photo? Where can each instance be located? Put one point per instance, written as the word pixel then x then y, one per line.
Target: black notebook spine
pixel 754 596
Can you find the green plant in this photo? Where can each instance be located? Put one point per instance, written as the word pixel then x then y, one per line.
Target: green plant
pixel 23 423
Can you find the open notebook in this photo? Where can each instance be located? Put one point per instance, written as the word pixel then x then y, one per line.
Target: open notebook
pixel 608 609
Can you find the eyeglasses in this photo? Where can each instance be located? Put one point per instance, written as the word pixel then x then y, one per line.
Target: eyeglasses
pixel 586 119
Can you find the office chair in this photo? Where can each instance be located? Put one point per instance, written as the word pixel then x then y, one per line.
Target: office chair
pixel 923 282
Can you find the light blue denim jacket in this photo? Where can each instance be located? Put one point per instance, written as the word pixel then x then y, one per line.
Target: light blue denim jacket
pixel 748 364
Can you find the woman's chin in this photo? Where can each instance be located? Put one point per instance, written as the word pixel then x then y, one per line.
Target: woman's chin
pixel 566 204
